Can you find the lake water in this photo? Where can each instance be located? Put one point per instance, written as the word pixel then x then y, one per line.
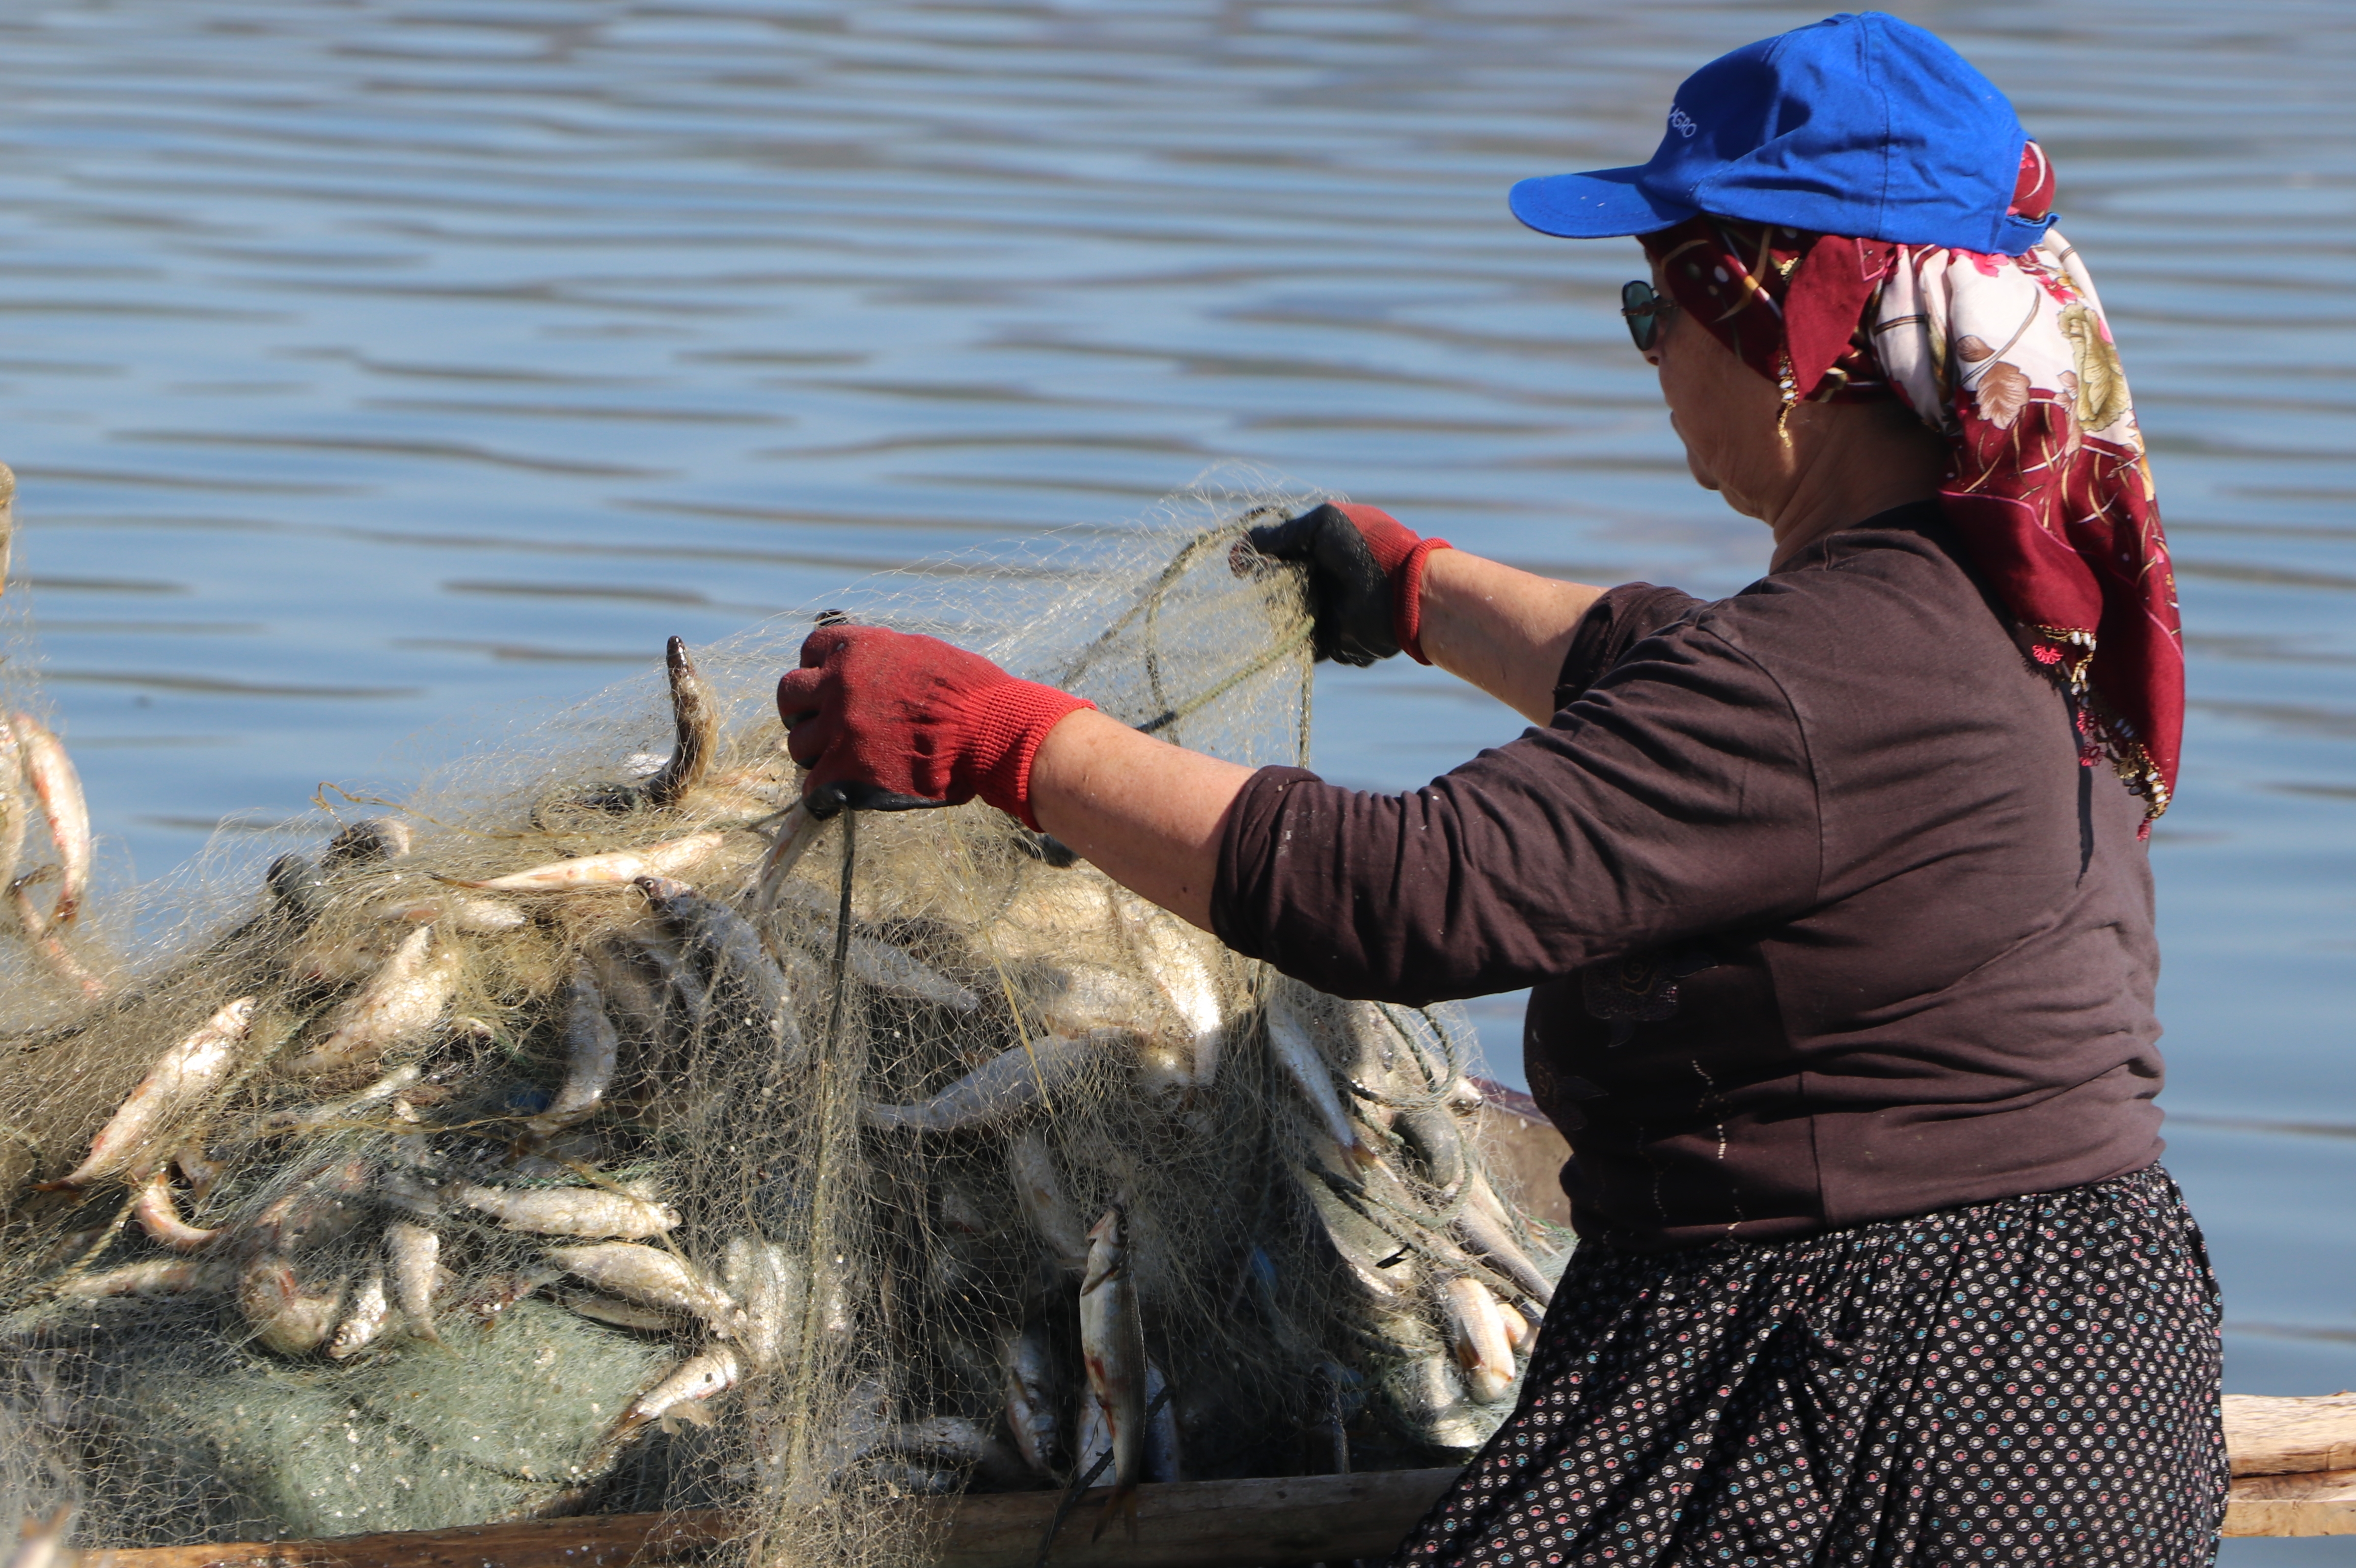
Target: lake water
pixel 371 362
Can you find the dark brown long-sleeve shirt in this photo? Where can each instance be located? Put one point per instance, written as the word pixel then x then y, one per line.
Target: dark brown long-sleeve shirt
pixel 1824 917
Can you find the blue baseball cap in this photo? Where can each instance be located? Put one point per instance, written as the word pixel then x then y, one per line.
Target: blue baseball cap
pixel 1860 125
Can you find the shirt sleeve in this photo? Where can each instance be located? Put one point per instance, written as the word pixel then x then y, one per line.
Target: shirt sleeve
pixel 1673 799
pixel 1623 618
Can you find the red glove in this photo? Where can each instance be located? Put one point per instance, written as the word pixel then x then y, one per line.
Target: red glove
pixel 886 720
pixel 1366 578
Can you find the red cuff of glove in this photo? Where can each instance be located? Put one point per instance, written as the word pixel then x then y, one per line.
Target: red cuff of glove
pixel 913 716
pixel 1401 552
pixel 1013 724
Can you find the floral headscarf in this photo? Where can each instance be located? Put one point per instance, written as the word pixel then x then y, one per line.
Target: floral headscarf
pixel 2010 360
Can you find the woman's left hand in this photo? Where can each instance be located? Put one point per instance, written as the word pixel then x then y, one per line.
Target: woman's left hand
pixel 887 720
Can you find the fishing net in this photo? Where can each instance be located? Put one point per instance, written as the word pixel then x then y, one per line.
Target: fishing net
pixel 596 1132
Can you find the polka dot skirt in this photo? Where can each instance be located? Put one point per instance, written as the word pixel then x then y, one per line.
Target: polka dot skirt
pixel 2029 1381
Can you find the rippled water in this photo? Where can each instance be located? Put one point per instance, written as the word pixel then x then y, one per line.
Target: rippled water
pixel 371 362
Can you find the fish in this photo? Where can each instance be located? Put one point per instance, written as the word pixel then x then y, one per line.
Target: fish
pixel 652 1277
pixel 695 718
pixel 407 997
pixel 1521 1328
pixel 592 1047
pixel 51 949
pixel 1486 1233
pixel 322 1206
pixel 1432 1131
pixel 283 1315
pixel 149 1276
pixel 586 1211
pixel 297 888
pixel 741 970
pixel 617 869
pixel 792 832
pixel 1291 1041
pixel 1181 962
pixel 1385 1270
pixel 682 1395
pixel 15 812
pixel 1039 1190
pixel 1003 1087
pixel 495 1293
pixel 1085 996
pixel 385 1088
pixel 476 916
pixel 58 789
pixel 599 1307
pixel 879 963
pixel 414 1251
pixel 159 1216
pixel 1476 1332
pixel 370 1311
pixel 1030 1399
pixel 180 1077
pixel 368 840
pixel 40 1542
pixel 767 1285
pixel 1112 1346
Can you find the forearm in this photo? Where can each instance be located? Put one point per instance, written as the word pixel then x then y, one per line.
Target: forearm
pixel 1146 813
pixel 1503 630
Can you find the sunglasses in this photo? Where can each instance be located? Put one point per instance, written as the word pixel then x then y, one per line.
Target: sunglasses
pixel 1644 307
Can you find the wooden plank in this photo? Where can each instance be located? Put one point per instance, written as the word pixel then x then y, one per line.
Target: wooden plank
pixel 2322 1504
pixel 2268 1436
pixel 1270 1523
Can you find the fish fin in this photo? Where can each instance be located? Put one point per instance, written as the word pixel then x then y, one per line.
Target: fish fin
pixel 693 1414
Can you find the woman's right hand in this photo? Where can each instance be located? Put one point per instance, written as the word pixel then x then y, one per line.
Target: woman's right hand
pixel 1366 578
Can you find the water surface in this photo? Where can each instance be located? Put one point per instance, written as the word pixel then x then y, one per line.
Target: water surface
pixel 371 362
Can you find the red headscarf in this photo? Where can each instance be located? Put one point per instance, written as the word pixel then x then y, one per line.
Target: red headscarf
pixel 2010 360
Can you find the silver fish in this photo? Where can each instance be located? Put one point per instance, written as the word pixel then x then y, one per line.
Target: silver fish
pixel 1476 1332
pixel 599 1307
pixel 58 787
pixel 878 963
pixel 1003 1087
pixel 324 1205
pixel 150 1276
pixel 48 946
pixel 1079 997
pixel 1290 1039
pixel 370 1311
pixel 181 1076
pixel 792 832
pixel 592 1047
pixel 159 1216
pixel 741 970
pixel 284 1315
pixel 1040 1192
pixel 1488 1237
pixel 1162 1456
pixel 385 1088
pixel 651 1277
pixel 1432 1131
pixel 477 916
pixel 1182 962
pixel 1112 1346
pixel 415 1253
pixel 407 997
pixel 696 721
pixel 15 812
pixel 768 1285
pixel 570 1211
pixel 1030 1399
pixel 615 869
pixel 682 1395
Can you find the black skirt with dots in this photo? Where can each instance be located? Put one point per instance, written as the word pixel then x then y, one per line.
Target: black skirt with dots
pixel 2028 1381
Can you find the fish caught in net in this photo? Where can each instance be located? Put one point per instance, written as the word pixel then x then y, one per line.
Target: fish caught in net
pixel 597 1131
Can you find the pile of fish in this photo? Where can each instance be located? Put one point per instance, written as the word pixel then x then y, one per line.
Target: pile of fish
pixel 932 1161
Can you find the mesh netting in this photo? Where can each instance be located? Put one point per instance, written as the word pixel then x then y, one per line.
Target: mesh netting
pixel 592 1132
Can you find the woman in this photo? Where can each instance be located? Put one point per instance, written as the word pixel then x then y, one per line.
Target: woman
pixel 1840 938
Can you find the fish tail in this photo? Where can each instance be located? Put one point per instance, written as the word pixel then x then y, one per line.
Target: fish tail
pixel 1124 1501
